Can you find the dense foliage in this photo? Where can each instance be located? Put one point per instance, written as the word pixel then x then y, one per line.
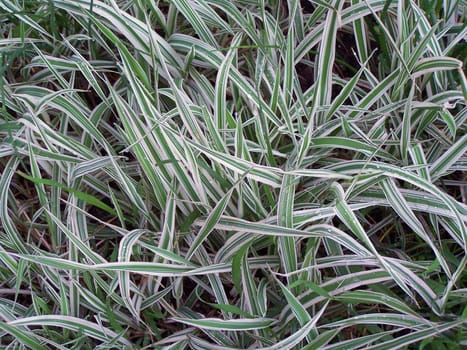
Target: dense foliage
pixel 217 174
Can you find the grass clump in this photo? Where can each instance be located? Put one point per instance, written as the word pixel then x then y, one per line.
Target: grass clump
pixel 232 174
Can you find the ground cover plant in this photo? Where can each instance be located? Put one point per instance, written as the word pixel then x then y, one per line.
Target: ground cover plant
pixel 217 174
